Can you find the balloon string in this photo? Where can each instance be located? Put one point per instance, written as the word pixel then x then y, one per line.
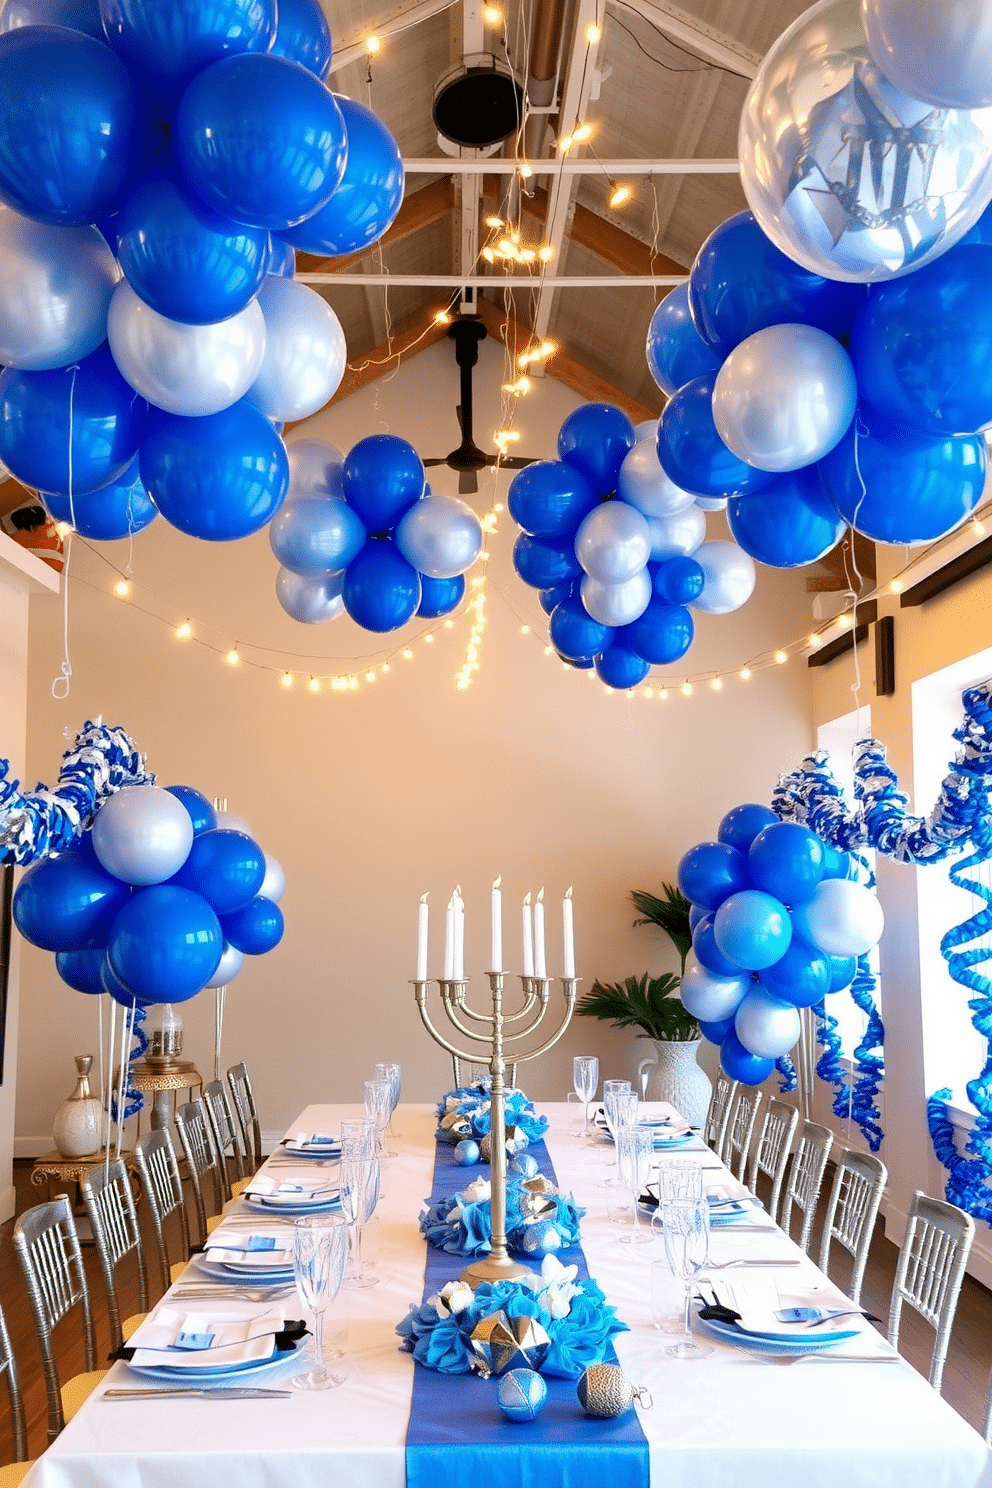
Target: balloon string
pixel 72 394
pixel 62 684
pixel 860 432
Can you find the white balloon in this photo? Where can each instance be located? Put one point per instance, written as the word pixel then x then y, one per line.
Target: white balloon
pixel 617 604
pixel 842 918
pixel 710 997
pixel 766 1025
pixel 613 543
pixel 274 882
pixel 440 535
pixel 142 834
pixel 191 370
pixel 305 351
pixel 678 534
pixel 642 483
pixel 230 963
pixel 55 292
pixel 310 598
pixel 711 503
pixel 730 577
pixel 315 468
pixel 646 429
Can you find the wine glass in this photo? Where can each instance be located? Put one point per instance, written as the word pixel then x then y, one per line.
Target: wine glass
pixel 687 1235
pixel 320 1244
pixel 635 1149
pixel 392 1075
pixel 378 1095
pixel 585 1083
pixel 359 1180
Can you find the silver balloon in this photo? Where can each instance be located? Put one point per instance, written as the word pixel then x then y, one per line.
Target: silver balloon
pixel 230 963
pixel 314 468
pixel 842 918
pixel 846 173
pixel 142 834
pixel 646 429
pixel 192 370
pixel 55 292
pixel 305 351
pixel 643 484
pixel 678 534
pixel 730 578
pixel 613 542
pixel 233 823
pixel 310 598
pixel 274 882
pixel 617 604
pixel 766 1025
pixel 784 397
pixel 711 998
pixel 940 53
pixel 711 503
pixel 316 534
pixel 440 535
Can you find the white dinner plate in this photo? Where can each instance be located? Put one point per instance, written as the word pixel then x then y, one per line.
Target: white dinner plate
pixel 270 1204
pixel 166 1374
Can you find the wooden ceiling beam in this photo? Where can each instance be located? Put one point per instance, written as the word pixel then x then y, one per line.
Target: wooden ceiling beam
pixel 420 209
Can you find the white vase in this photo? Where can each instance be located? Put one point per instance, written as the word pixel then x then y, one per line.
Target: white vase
pixel 77 1121
pixel 672 1074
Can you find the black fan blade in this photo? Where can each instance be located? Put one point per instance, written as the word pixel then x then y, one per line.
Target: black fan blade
pixel 458 415
pixel 517 462
pixel 443 461
pixel 467 482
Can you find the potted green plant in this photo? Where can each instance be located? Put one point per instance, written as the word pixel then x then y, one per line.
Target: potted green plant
pixel 653 1006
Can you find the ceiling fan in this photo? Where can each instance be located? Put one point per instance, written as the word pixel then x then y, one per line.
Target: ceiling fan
pixel 468 459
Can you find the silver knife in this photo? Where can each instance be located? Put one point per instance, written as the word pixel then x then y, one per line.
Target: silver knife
pixel 209 1391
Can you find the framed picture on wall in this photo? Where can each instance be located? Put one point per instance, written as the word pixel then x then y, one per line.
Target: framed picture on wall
pixel 6 896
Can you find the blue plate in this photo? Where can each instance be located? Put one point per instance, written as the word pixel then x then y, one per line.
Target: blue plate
pixel 266 1206
pixel 241 1276
pixel 314 1149
pixel 749 1216
pixel 775 1343
pixel 173 1375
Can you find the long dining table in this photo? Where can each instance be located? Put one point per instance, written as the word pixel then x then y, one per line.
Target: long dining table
pixel 735 1416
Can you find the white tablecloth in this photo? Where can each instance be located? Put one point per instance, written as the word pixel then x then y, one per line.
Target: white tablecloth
pixel 731 1418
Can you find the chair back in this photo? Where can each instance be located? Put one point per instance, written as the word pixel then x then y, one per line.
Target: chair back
pixel 805 1179
pixel 47 1247
pixel 202 1158
pixel 224 1133
pixel 740 1130
pixel 114 1222
pixel 930 1271
pixel 8 1367
pixel 162 1186
pixel 247 1113
pixel 852 1209
pixel 718 1113
pixel 770 1154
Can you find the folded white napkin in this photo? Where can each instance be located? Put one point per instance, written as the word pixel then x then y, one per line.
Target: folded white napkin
pixel 204 1340
pixel 762 1301
pixel 286 1192
pixel 232 1247
pixel 312 1141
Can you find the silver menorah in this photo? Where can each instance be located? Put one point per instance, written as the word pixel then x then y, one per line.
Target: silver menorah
pixel 490 1031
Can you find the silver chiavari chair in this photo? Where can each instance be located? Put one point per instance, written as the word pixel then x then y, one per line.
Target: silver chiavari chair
pixel 770 1154
pixel 852 1209
pixel 930 1271
pixel 805 1179
pixel 162 1186
pixel 114 1221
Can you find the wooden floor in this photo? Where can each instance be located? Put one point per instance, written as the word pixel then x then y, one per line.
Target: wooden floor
pixel 965 1376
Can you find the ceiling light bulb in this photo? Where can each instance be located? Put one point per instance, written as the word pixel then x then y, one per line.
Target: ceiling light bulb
pixel 978 526
pixel 745 674
pixel 232 658
pixel 781 657
pixel 287 679
pixel 593 33
pixel 583 132
pixel 373 45
pixel 184 631
pixel 428 639
pixel 370 676
pixel 843 622
pixel 122 588
pixel 525 630
pixel 492 15
pixel 549 650
pixel 663 694
pixel 442 318
pixel 449 624
pixel 495 222
pixel 621 194
pixel 526 172
pixel 546 254
pixel 407 654
pixel 717 684
pixel 566 142
pixel 687 689
pixel 527 255
pixel 648 692
pixel 896 586
pixel 314 684
pixel 814 640
pixel 547 348
pixel 489 255
pixel 63 529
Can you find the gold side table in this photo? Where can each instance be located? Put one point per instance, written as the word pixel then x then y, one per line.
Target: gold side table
pixel 72 1169
pixel 160 1084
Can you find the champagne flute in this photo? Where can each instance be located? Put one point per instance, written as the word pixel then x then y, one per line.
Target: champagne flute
pixel 359 1179
pixel 635 1149
pixel 585 1083
pixel 687 1235
pixel 320 1243
pixel 378 1094
pixel 394 1074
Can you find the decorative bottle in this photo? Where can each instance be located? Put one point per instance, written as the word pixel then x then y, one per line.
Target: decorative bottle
pixel 78 1120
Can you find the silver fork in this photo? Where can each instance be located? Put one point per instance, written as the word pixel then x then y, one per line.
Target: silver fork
pixel 240 1294
pixel 749 1261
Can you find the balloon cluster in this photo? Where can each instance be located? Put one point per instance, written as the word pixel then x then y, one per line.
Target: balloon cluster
pixel 158 164
pixel 159 899
pixel 363 533
pixel 617 549
pixel 778 921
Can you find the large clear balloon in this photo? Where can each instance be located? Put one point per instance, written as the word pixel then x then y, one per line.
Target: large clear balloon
pixel 261 140
pixel 544 562
pixel 316 534
pixel 72 429
pixel 118 510
pixel 381 588
pixel 784 397
pixel 846 173
pixel 68 903
pixel 165 944
pixel 940 53
pixel 440 535
pixel 315 468
pixel 303 35
pixel 173 42
pixel 383 477
pixel 691 451
pixel 305 352
pixel 226 867
pixel 711 997
pixel 185 261
pixel 142 834
pixel 595 439
pixel 766 1025
pixel 220 477
pixel 613 543
pixel 54 292
pixel 368 196
pixel 550 498
pixel 190 370
pixel 662 634
pixel 842 918
pixel 710 872
pixel 643 483
pixel 729 577
pixel 310 598
pixel 617 604
pixel 676 352
pixel 71 131
pixel 753 929
pixel 791 524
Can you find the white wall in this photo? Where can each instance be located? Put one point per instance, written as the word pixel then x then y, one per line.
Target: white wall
pixel 370 799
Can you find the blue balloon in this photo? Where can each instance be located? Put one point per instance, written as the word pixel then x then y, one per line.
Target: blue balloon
pixel 708 953
pixel 740 1064
pixel 922 345
pixel 836 864
pixel 201 812
pixel 742 824
pixel 303 35
pixel 740 283
pixel 580 663
pixel 81 969
pixel 67 903
pixel 801 976
pixel 596 439
pixel 282 258
pixel 676 351
pixel 843 970
pixel 256 928
pixel 382 478
pixel 552 597
pixel 710 872
pixel 184 260
pixel 679 580
pixel 981 234
pixel 440 596
pixel 38 410
pixel 226 867
pixel 174 41
pixel 903 486
pixel 691 452
pixel 118 990
pixel 550 498
pixel 118 510
pixel 621 668
pixel 219 477
pixel 790 524
pixel 71 130
pixel 662 634
pixel 261 140
pixel 574 633
pixel 165 944
pixel 543 563
pixel 368 196
pixel 381 589
pixel 716 1031
pixel 696 914
pixel 753 929
pixel 786 860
